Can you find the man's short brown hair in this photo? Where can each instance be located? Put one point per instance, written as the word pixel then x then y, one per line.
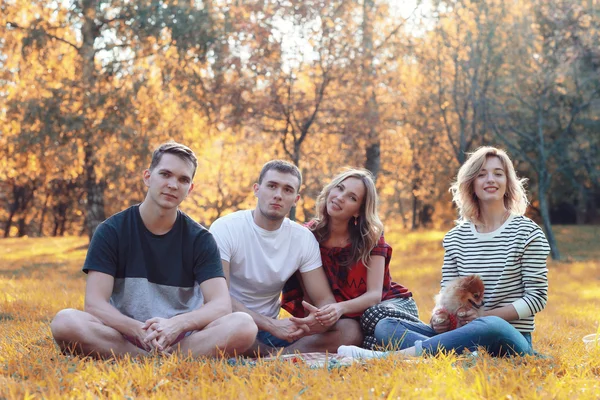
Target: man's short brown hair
pixel 177 149
pixel 281 166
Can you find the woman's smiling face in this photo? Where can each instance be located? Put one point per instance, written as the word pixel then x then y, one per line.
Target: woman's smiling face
pixel 345 200
pixel 490 183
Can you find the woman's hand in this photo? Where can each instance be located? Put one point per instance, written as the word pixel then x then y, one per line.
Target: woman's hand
pixel 311 321
pixel 466 316
pixel 329 314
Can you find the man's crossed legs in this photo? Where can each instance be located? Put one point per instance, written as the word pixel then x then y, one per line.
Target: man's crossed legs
pixel 79 332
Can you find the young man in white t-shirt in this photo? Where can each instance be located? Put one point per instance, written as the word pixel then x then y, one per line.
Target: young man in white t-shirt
pixel 260 250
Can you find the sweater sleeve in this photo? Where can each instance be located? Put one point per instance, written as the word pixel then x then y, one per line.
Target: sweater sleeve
pixel 534 275
pixel 449 269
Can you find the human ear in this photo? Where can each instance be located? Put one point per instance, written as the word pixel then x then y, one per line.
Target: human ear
pixel 146 176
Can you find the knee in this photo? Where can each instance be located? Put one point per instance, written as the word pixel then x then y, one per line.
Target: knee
pixel 355 335
pixel 509 340
pixel 350 332
pixel 492 323
pixel 64 326
pixel 243 327
pixel 386 328
pixel 494 326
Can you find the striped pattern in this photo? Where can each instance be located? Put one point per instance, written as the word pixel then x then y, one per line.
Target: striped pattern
pixel 511 261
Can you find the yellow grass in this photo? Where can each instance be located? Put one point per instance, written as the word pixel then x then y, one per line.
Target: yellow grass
pixel 38 277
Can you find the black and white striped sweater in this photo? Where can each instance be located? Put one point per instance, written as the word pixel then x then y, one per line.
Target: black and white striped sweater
pixel 511 261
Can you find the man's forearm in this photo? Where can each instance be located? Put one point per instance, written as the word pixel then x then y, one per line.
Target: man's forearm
pixel 198 319
pixel 110 316
pixel 263 323
pixel 316 286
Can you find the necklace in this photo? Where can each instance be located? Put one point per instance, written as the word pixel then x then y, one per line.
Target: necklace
pixel 338 242
pixel 483 228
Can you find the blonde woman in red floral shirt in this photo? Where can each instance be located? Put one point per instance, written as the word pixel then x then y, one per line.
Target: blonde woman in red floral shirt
pixel 354 253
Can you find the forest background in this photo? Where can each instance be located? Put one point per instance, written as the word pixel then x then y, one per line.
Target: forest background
pixel 405 89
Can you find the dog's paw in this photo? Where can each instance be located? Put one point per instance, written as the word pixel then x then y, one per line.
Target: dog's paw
pixel 440 316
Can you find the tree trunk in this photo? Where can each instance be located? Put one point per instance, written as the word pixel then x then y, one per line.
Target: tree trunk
pixel 309 213
pixel 28 192
pixel 582 203
pixel 63 224
pixel 415 212
pixel 296 161
pixel 373 162
pixel 43 213
pixel 55 230
pixel 16 205
pixel 293 213
pixel 402 214
pixel 545 213
pixel 22 226
pixel 95 195
pixel 371 112
pixel 9 219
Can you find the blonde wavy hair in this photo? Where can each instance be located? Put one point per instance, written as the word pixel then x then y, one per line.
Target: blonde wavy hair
pixel 463 193
pixel 366 233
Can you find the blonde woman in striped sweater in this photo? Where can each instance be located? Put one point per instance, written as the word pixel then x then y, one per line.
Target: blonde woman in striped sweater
pixel 496 241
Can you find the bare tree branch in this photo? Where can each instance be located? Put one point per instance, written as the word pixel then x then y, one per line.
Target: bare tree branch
pixel 45 32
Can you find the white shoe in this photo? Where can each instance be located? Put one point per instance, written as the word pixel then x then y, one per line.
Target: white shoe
pixel 360 353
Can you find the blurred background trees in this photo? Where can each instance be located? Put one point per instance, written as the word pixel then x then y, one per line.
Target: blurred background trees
pixel 405 89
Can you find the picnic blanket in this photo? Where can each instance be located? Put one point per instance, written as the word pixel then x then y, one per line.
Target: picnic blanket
pixel 312 360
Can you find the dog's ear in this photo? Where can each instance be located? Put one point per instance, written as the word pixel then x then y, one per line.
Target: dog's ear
pixel 473 284
pixel 466 282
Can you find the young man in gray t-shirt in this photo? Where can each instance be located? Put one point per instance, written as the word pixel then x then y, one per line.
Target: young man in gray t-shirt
pixel 155 281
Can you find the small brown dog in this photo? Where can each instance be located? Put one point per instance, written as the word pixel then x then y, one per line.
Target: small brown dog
pixel 460 294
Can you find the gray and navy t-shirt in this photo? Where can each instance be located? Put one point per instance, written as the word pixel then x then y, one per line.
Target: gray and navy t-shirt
pixel 155 275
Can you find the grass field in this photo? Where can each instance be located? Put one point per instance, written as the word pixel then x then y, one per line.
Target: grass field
pixel 38 277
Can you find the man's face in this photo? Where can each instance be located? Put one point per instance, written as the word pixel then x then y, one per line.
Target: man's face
pixel 276 195
pixel 169 182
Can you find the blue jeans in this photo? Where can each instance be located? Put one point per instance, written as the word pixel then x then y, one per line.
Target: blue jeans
pixel 271 340
pixel 498 337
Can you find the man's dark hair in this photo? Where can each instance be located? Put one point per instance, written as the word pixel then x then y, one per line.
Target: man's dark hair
pixel 177 149
pixel 281 166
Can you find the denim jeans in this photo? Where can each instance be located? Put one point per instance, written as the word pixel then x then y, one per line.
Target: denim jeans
pixel 271 340
pixel 498 337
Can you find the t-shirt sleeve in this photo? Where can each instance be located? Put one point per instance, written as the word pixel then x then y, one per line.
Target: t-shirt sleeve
pixel 207 260
pixel 311 258
pixel 382 248
pixel 102 253
pixel 223 238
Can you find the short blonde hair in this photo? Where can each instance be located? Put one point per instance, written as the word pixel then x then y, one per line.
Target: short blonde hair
pixel 463 193
pixel 368 229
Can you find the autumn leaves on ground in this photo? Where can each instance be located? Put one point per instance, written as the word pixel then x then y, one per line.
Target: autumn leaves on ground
pixel 40 276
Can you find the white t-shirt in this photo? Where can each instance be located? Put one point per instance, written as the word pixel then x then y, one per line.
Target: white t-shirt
pixel 261 261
